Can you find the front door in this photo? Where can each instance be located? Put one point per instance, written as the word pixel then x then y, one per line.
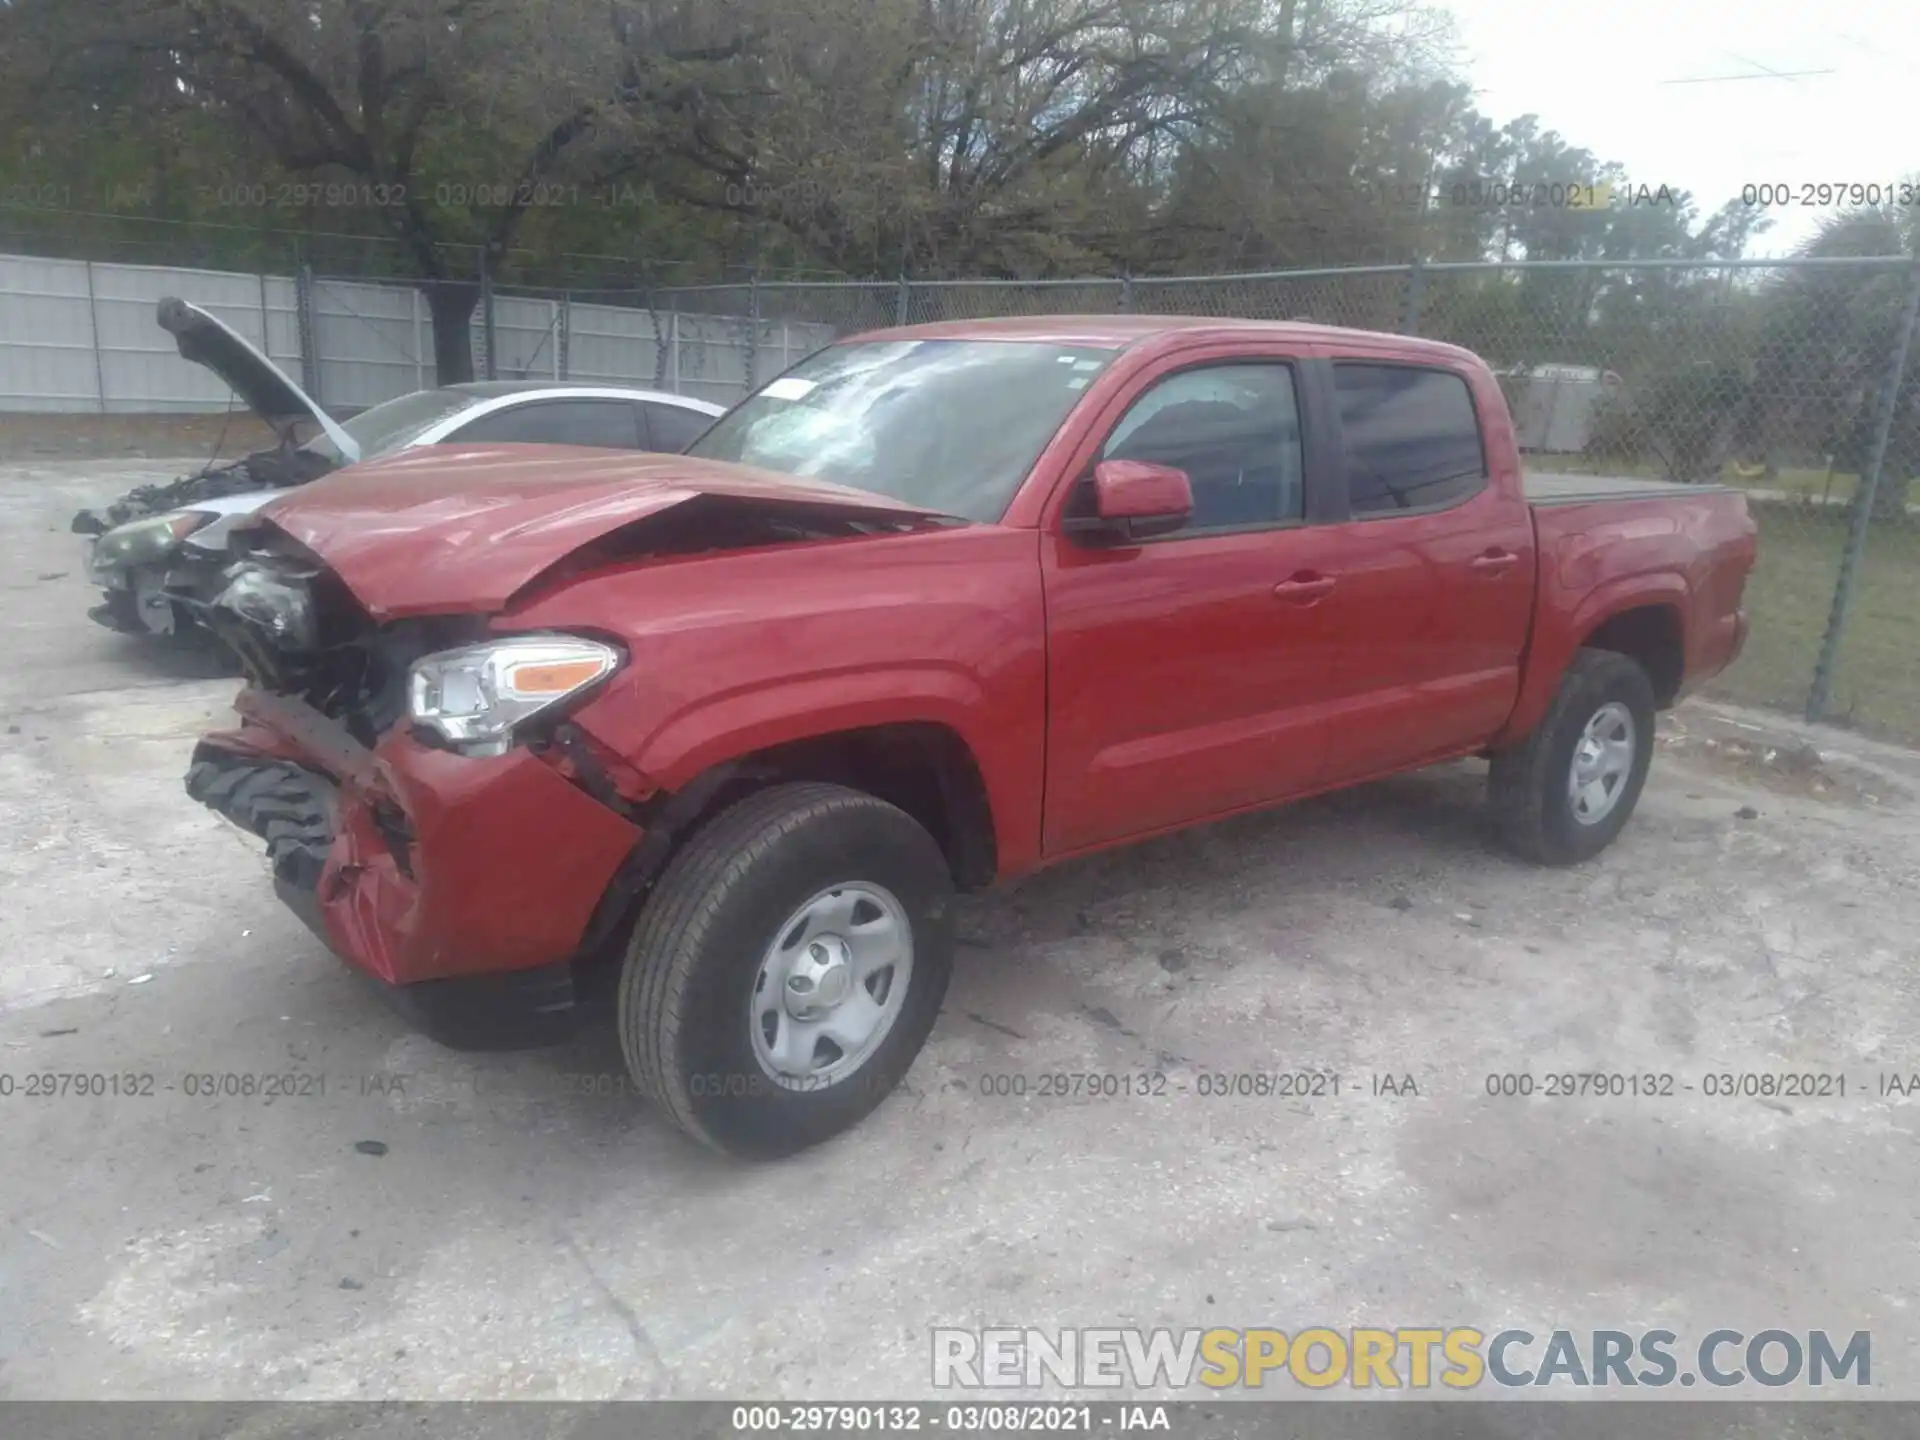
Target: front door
pixel 1184 671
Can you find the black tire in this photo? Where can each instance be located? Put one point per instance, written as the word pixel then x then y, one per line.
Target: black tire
pixel 1532 808
pixel 696 950
pixel 288 807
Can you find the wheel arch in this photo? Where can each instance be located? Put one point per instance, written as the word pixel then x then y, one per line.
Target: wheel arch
pixel 1657 603
pixel 1652 635
pixel 923 767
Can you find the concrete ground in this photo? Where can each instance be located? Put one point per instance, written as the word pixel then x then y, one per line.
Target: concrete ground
pixel 516 1235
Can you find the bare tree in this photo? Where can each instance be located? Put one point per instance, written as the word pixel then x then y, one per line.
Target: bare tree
pixel 451 119
pixel 949 135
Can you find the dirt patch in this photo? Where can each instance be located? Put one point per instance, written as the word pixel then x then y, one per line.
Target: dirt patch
pixel 1785 765
pixel 96 437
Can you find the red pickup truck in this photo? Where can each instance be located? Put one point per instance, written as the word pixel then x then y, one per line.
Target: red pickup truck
pixel 937 607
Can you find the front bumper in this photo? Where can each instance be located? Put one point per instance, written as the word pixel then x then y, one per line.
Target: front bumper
pixel 154 600
pixel 133 599
pixel 465 887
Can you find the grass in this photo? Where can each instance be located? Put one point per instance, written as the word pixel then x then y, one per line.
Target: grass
pixel 1877 681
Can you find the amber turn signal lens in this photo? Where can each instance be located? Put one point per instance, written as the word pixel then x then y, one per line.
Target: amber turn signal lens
pixel 554 679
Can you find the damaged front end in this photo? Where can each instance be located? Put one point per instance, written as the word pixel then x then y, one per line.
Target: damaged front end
pixel 458 870
pixel 301 634
pixel 424 768
pixel 147 548
pixel 267 391
pixel 264 470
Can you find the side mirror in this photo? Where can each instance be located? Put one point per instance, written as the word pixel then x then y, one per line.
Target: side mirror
pixel 1134 500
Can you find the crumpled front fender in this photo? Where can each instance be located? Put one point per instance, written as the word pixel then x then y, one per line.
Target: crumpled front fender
pixel 438 865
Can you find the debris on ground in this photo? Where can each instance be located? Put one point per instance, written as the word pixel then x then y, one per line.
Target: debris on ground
pixel 1795 767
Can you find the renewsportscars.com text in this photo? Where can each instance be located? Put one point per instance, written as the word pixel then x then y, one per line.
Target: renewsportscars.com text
pixel 1416 1358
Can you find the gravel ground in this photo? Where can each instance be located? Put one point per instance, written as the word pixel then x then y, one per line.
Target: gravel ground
pixel 439 1225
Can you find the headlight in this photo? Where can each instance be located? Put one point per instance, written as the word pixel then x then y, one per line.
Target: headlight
pixel 475 696
pixel 283 608
pixel 142 542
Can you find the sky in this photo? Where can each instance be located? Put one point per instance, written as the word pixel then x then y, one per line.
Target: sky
pixel 1603 73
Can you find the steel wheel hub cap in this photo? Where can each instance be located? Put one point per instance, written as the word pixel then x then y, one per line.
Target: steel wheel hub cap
pixel 1602 761
pixel 819 978
pixel 831 986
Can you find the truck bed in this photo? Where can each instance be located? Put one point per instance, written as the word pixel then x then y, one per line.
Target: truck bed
pixel 1561 489
pixel 1683 551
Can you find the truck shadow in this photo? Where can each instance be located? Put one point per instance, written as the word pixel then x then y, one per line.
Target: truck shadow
pixel 1071 941
pixel 1066 945
pixel 159 659
pixel 1375 835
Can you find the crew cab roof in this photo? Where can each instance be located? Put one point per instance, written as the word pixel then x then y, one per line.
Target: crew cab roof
pixel 1121 332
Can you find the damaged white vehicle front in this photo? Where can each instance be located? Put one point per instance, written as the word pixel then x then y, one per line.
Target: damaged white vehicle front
pixel 160 550
pixel 137 535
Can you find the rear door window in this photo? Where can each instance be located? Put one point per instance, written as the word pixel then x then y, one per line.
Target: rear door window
pixel 611 424
pixel 1412 438
pixel 674 427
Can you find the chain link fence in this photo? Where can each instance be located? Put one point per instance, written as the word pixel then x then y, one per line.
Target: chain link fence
pixel 1795 380
pixel 1791 379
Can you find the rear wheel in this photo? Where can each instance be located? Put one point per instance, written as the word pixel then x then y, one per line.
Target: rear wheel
pixel 1564 793
pixel 787 968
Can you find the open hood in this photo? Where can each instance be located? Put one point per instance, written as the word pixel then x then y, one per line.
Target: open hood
pixel 265 387
pixel 461 529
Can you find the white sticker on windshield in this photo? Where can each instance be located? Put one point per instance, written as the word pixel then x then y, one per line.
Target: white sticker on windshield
pixel 788 387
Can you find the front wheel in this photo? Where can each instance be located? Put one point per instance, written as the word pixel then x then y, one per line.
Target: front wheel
pixel 787 968
pixel 1564 793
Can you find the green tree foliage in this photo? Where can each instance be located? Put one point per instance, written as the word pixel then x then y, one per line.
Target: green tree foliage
pixel 1823 352
pixel 1021 138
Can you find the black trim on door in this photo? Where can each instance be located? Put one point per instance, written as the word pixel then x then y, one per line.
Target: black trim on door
pixel 1324 457
pixel 698 422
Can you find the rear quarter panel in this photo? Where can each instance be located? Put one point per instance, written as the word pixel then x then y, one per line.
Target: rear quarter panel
pixel 1600 558
pixel 732 653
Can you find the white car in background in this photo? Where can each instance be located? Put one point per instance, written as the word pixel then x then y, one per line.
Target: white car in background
pixel 170 537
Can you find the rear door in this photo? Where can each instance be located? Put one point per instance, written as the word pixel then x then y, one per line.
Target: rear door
pixel 1436 571
pixel 1184 671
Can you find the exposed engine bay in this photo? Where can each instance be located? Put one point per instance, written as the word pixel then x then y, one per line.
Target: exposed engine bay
pixel 299 632
pixel 303 640
pixel 275 469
